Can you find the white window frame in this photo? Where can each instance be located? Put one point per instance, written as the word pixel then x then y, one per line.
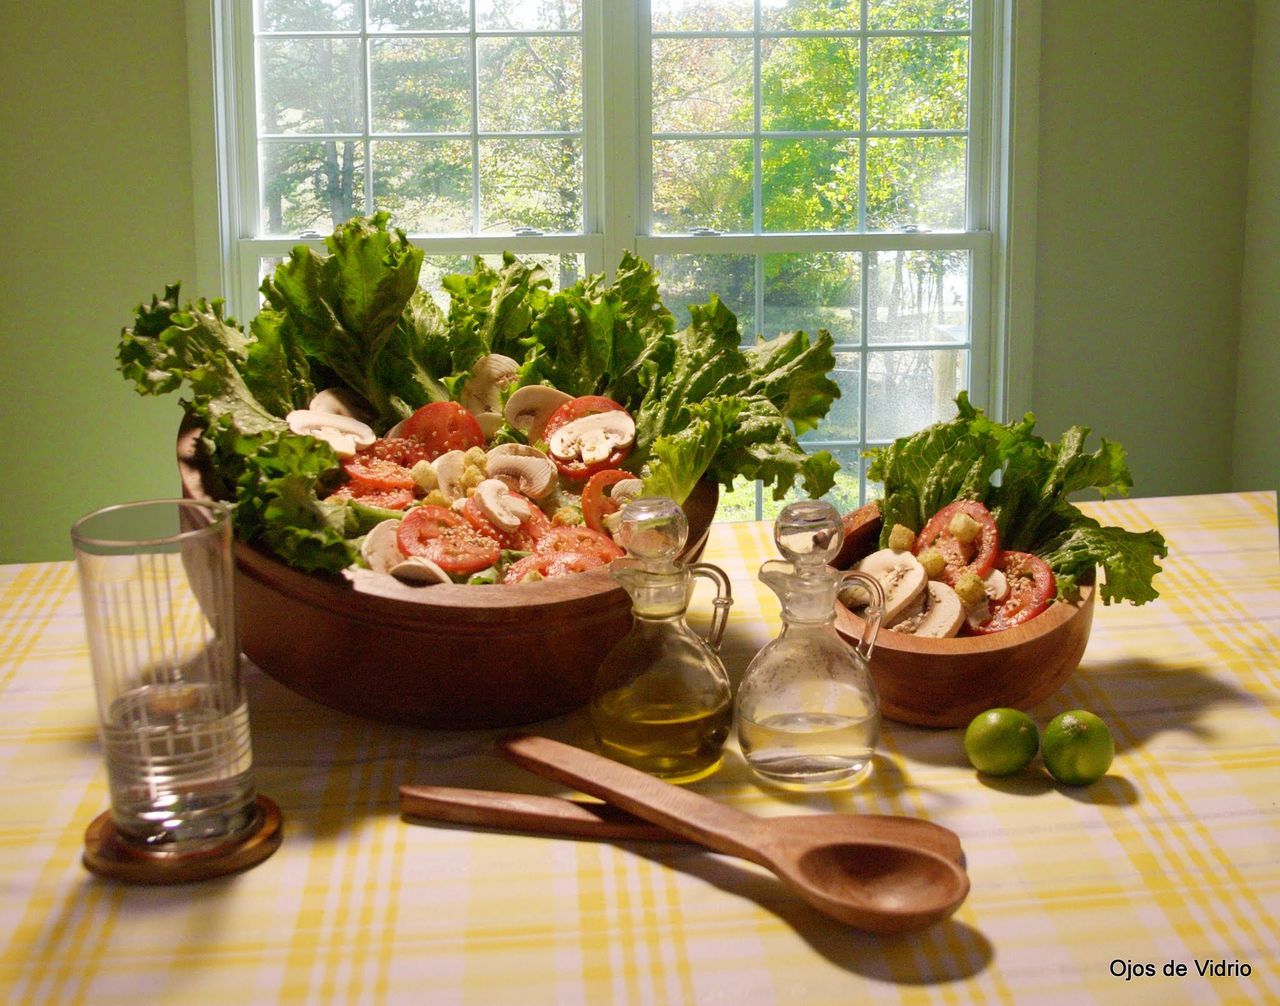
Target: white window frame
pixel 999 234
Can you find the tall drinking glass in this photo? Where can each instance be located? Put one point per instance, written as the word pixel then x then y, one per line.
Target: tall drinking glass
pixel 156 578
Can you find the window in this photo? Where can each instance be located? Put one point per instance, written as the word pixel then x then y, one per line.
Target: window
pixel 827 164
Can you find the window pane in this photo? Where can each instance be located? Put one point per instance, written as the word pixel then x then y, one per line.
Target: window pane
pixel 702 15
pixel 908 390
pixel 530 84
pixel 421 85
pixel 843 420
pixel 702 85
pixel 916 181
pixel 311 186
pixel 524 15
pixel 692 279
pixel 439 15
pixel 917 83
pixel 929 14
pixel 313 85
pixel 319 15
pixel 531 183
pixel 425 184
pixel 809 185
pixel 739 503
pixel 701 183
pixel 918 296
pixel 810 15
pixel 809 292
pixel 809 84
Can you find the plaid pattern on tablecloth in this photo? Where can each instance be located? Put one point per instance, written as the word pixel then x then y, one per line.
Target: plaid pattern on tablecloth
pixel 1173 857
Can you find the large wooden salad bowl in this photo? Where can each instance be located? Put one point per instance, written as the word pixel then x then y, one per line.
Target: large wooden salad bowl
pixel 947 682
pixel 445 656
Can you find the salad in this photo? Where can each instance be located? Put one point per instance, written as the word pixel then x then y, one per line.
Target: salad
pixel 976 531
pixel 356 424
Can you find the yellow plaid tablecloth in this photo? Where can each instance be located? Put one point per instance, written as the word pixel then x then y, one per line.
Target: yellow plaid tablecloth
pixel 1172 859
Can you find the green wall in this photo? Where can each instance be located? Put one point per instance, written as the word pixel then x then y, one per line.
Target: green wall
pixel 95 185
pixel 1143 153
pixel 1257 432
pixel 1140 231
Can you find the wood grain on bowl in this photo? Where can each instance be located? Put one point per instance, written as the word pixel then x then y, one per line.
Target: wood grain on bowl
pixel 448 656
pixel 946 682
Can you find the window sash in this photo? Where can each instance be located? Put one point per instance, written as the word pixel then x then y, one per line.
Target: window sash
pixel 617 161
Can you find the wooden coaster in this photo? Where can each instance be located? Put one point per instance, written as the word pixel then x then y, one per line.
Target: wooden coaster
pixel 107 854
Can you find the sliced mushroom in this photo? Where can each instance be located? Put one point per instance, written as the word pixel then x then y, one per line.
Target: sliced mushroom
pixel 379 549
pixel 996 585
pixel 901 576
pixel 490 423
pixel 940 616
pixel 419 569
pixel 341 402
pixel 523 468
pixel 344 434
pixel 530 407
pixel 497 503
pixel 449 468
pixel 482 391
pixel 593 438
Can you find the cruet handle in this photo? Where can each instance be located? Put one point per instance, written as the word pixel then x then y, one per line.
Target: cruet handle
pixel 871 616
pixel 723 600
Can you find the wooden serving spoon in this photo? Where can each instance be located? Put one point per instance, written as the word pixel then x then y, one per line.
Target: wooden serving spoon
pixel 881 880
pixel 553 815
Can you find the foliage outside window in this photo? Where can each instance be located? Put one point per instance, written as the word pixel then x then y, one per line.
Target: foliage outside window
pixel 814 163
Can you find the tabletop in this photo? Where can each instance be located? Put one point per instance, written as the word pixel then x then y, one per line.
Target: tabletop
pixel 1159 883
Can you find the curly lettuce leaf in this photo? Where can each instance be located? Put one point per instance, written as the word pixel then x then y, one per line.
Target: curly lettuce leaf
pixel 195 346
pixel 278 503
pixel 1026 482
pixel 792 372
pixel 677 461
pixel 346 307
pixel 1128 560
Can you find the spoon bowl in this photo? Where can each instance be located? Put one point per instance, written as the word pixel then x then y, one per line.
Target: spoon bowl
pixel 882 880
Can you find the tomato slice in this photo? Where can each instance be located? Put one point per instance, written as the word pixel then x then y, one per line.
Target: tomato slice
pixel 388 499
pixel 977 556
pixel 576 469
pixel 406 451
pixel 597 504
pixel 1031 587
pixel 378 472
pixel 443 427
pixel 523 539
pixel 581 541
pixel 445 538
pixel 548 565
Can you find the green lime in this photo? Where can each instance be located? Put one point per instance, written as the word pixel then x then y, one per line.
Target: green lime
pixel 1001 741
pixel 1077 748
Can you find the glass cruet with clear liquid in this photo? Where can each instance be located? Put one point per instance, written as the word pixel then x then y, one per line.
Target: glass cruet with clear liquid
pixel 808 715
pixel 662 701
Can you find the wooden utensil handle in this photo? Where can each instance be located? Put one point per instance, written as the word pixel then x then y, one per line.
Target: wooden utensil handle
pixel 544 815
pixel 684 812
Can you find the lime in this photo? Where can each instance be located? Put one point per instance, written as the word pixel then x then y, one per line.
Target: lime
pixel 1077 748
pixel 1001 741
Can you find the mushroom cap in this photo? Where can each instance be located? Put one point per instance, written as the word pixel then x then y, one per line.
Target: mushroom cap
pixel 523 468
pixel 482 391
pixel 341 401
pixel 506 511
pixel 380 550
pixel 419 569
pixel 530 407
pixel 343 433
pixel 593 437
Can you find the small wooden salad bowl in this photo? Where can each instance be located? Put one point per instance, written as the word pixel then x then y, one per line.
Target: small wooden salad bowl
pixel 947 682
pixel 446 656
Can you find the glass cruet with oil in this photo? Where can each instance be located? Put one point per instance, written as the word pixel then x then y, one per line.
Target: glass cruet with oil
pixel 808 715
pixel 662 701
